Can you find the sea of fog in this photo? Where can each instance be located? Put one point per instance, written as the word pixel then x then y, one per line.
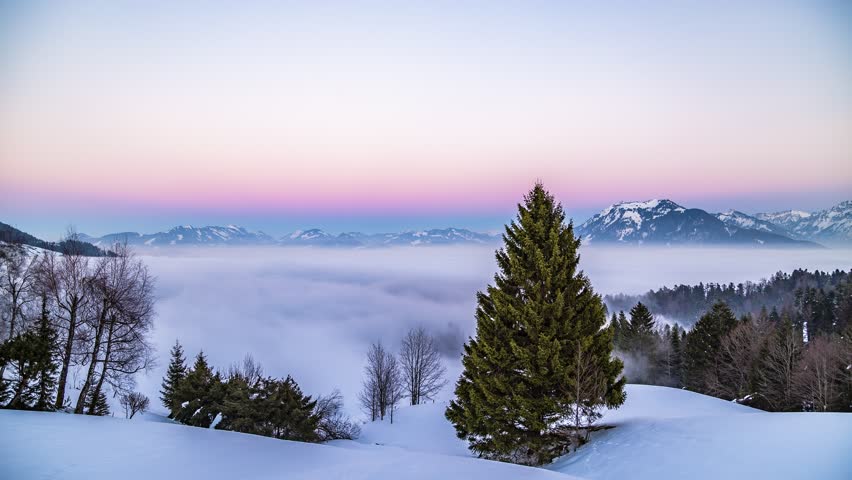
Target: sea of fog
pixel 312 313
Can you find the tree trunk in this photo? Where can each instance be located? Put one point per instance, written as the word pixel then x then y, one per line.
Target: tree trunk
pixel 104 369
pixel 11 328
pixel 66 354
pixel 81 400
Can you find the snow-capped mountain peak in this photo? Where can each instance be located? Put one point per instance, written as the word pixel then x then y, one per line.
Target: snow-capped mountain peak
pixel 833 225
pixel 737 219
pixel 187 235
pixel 666 222
pixel 316 237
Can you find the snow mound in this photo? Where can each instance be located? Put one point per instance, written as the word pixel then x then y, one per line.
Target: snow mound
pixel 420 428
pixel 668 433
pixel 56 445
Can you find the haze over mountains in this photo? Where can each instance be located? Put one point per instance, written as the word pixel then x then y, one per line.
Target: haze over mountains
pixel 653 222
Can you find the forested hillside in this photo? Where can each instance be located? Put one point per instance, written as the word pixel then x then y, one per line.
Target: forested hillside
pixel 11 235
pixel 820 299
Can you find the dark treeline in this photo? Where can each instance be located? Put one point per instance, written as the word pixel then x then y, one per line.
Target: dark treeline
pixel 69 311
pixel 768 360
pixel 244 400
pixel 818 298
pixel 12 236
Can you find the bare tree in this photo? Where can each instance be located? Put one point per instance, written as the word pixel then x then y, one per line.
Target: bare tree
pixel 249 371
pixel 382 388
pixel 19 272
pixel 333 423
pixel 126 349
pixel 422 370
pixel 133 403
pixel 587 387
pixel 778 367
pixel 739 353
pixel 66 277
pixel 821 377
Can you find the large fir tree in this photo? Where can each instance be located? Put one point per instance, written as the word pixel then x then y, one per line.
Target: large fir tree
pixel 175 373
pixel 540 342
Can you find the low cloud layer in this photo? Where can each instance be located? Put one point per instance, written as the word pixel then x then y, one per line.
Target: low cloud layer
pixel 312 313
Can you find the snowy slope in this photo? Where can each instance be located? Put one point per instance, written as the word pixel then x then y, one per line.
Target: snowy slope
pixel 420 428
pixel 659 433
pixel 668 433
pixel 54 445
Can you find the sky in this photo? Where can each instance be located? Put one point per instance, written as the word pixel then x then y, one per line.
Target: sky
pixel 382 116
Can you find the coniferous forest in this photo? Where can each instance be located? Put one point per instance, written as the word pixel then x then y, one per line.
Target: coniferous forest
pixel 771 360
pixel 823 300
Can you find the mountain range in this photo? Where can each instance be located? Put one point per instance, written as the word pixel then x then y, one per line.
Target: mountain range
pixel 234 235
pixel 660 222
pixel 665 222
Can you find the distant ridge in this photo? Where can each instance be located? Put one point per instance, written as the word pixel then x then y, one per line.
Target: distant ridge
pixel 655 222
pixel 830 226
pixel 235 235
pixel 665 222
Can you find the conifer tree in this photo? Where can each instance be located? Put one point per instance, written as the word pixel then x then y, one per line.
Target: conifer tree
pixel 677 357
pixel 96 404
pixel 198 395
pixel 702 346
pixel 175 373
pixel 641 329
pixel 623 326
pixel 48 366
pixel 30 355
pixel 289 413
pixel 542 354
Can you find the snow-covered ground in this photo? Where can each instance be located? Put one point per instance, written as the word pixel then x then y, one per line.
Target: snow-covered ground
pixel 659 433
pixel 668 433
pixel 36 445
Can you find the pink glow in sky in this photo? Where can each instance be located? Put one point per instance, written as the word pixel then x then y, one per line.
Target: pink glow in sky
pixel 424 108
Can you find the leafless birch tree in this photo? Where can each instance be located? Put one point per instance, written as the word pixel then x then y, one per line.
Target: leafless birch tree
pixel 421 367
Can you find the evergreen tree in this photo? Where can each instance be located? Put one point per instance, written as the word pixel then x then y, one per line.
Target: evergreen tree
pixel 198 395
pixel 48 366
pixel 621 331
pixel 175 373
pixel 289 413
pixel 702 346
pixel 30 356
pixel 624 328
pixel 96 404
pixel 641 328
pixel 677 357
pixel 541 355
